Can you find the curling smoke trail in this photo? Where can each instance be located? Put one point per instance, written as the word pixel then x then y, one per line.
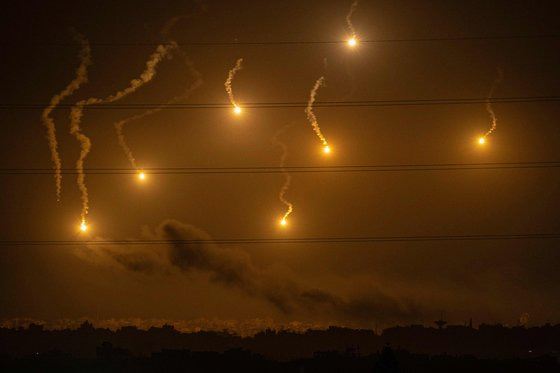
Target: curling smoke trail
pixel 309 110
pixel 76 114
pixel 349 19
pixel 120 124
pixel 48 122
pixel 229 79
pixel 489 108
pixel 287 176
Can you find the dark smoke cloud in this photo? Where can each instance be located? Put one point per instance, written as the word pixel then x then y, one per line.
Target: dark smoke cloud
pixel 234 268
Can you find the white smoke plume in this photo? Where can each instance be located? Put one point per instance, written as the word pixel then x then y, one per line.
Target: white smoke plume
pixel 309 110
pixel 79 79
pixel 489 108
pixel 231 74
pixel 287 177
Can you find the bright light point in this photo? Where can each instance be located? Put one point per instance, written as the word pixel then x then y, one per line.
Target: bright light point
pixel 142 176
pixel 481 140
pixel 83 226
pixel 327 149
pixel 237 110
pixel 283 222
pixel 352 42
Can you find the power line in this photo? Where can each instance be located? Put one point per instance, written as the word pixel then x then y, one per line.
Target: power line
pixel 295 42
pixel 309 240
pixel 292 169
pixel 300 104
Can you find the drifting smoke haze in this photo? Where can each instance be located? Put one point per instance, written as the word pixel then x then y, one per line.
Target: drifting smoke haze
pixel 80 78
pixel 162 51
pixel 191 250
pixel 309 110
pixel 231 74
pixel 489 108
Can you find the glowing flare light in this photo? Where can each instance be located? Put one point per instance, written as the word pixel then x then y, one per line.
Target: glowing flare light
pixel 352 42
pixel 83 226
pixel 481 140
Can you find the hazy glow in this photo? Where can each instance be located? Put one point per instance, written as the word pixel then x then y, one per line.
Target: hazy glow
pixel 142 175
pixel 481 140
pixel 283 222
pixel 352 42
pixel 83 226
pixel 327 149
pixel 237 110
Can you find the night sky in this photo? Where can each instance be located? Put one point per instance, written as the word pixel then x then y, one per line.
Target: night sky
pixel 363 284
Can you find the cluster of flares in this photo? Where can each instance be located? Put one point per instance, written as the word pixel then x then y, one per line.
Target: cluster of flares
pixel 165 51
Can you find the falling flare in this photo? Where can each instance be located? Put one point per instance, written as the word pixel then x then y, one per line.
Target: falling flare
pixel 76 114
pixel 353 40
pixel 231 74
pixel 311 115
pixel 142 175
pixel 119 126
pixel 287 176
pixel 48 122
pixel 489 108
pixel 327 149
pixel 83 225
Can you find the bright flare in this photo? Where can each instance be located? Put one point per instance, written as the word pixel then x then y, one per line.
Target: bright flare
pixel 83 226
pixel 283 222
pixel 352 42
pixel 237 110
pixel 142 175
pixel 327 149
pixel 481 140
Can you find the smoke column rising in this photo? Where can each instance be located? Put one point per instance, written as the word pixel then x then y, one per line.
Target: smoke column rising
pixel 76 114
pixel 80 78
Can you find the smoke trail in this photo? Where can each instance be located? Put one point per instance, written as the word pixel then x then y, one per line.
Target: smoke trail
pixel 229 79
pixel 309 110
pixel 76 114
pixel 349 18
pixel 120 124
pixel 48 122
pixel 287 176
pixel 489 108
